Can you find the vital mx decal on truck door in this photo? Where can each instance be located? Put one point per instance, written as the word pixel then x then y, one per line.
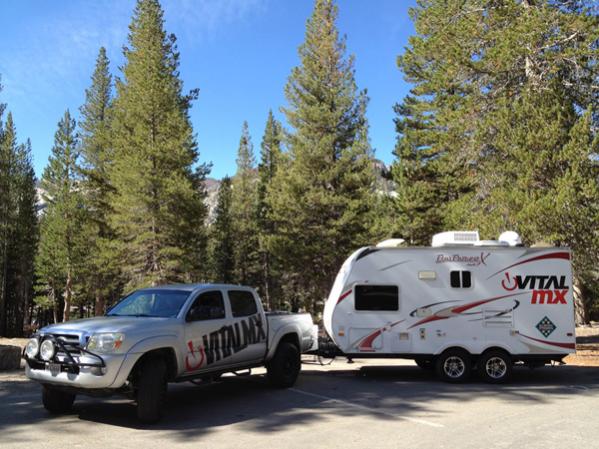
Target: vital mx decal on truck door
pixel 224 342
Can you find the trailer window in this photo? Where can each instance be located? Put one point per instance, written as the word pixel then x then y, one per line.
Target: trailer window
pixel 460 279
pixel 242 303
pixel 376 297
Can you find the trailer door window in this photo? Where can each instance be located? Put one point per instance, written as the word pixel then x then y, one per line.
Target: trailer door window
pixel 460 279
pixel 376 297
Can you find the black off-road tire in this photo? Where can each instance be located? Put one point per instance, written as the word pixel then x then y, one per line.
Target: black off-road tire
pixel 495 366
pixel 57 401
pixel 151 390
pixel 283 369
pixel 454 365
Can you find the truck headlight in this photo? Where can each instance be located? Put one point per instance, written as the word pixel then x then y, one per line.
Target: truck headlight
pixel 47 350
pixel 105 342
pixel 32 348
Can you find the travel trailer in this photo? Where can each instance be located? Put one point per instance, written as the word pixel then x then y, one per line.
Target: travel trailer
pixel 460 305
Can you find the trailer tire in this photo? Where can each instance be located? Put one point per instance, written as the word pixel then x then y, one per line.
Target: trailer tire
pixel 495 366
pixel 151 390
pixel 57 401
pixel 454 365
pixel 282 370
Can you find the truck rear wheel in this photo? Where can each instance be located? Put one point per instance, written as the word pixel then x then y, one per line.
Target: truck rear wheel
pixel 151 390
pixel 57 401
pixel 454 365
pixel 495 366
pixel 283 369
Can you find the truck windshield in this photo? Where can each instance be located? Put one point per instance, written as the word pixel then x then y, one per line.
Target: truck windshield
pixel 151 303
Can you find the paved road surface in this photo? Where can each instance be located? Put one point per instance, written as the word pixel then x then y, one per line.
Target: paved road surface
pixel 363 405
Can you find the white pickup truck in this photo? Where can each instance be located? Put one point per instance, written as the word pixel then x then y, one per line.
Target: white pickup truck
pixel 166 334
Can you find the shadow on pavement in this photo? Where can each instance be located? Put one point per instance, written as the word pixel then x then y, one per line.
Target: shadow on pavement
pixel 384 392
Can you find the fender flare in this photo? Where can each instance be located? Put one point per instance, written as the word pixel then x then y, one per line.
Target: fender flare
pixel 142 347
pixel 290 328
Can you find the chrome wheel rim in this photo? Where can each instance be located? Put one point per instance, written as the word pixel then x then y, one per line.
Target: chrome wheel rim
pixel 454 367
pixel 496 367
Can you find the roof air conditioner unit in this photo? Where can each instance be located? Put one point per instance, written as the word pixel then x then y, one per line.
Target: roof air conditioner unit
pixel 455 238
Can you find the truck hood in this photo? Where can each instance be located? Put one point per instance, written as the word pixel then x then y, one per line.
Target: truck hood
pixel 123 324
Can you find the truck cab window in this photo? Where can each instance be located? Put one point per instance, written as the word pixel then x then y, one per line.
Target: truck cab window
pixel 460 279
pixel 242 303
pixel 376 297
pixel 207 306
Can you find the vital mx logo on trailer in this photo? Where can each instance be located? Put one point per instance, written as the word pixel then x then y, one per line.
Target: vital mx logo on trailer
pixel 546 289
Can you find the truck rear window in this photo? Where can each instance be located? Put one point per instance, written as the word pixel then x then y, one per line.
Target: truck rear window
pixel 376 297
pixel 242 303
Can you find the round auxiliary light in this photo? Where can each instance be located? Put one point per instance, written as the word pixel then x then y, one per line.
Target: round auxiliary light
pixel 32 348
pixel 47 350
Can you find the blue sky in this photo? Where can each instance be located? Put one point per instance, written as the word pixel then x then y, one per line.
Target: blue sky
pixel 238 52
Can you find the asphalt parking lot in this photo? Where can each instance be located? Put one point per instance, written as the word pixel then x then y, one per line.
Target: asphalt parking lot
pixel 377 404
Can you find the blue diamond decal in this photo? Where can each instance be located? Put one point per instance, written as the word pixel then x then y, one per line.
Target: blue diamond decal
pixel 546 327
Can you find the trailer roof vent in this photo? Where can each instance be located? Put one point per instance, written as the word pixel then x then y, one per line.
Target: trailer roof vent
pixel 390 243
pixel 510 238
pixel 452 238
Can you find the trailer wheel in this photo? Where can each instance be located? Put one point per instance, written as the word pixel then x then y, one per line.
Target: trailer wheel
pixel 495 366
pixel 151 390
pixel 283 369
pixel 454 365
pixel 57 401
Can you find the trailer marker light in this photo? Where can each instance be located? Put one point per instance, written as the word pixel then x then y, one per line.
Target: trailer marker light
pixel 427 275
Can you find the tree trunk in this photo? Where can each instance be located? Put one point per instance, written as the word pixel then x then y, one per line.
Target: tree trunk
pixel 581 314
pixel 67 297
pixel 99 304
pixel 55 308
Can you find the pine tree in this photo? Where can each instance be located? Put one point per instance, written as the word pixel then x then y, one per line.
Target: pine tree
pixel 270 158
pixel 8 148
pixel 322 202
pixel 96 156
pixel 244 212
pixel 222 236
pixel 157 207
pixel 419 200
pixel 23 243
pixel 63 243
pixel 486 131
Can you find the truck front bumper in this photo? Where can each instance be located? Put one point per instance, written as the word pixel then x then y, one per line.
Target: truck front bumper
pixel 113 374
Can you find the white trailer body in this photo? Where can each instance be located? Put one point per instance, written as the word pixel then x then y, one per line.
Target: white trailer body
pixel 419 302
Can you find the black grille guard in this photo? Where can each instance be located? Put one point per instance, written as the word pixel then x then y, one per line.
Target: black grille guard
pixel 71 362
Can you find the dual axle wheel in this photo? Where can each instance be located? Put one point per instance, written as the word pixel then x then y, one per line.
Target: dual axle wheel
pixel 455 365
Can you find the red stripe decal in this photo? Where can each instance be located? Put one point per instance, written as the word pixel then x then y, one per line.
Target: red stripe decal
pixel 565 255
pixel 366 344
pixel 428 319
pixel 461 309
pixel 553 343
pixel 455 311
pixel 343 296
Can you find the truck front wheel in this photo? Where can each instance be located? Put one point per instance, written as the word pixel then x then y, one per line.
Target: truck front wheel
pixel 57 401
pixel 283 369
pixel 151 390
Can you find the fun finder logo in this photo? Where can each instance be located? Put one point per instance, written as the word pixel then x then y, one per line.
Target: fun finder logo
pixel 546 289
